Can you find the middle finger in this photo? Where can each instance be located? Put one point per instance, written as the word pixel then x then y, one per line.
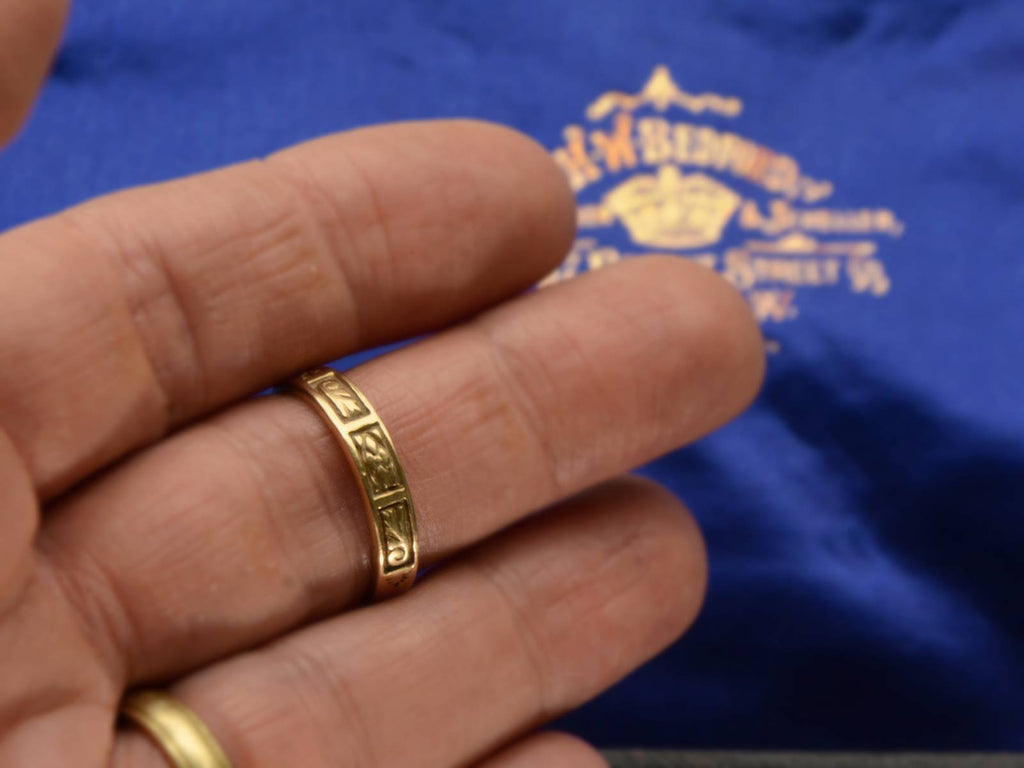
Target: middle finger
pixel 242 527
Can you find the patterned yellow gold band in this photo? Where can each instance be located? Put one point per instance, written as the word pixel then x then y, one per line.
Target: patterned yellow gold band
pixel 360 430
pixel 176 730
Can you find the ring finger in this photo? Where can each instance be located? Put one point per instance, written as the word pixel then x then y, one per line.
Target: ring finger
pixel 515 632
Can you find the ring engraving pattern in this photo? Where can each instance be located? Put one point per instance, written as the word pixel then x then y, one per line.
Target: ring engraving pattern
pixel 372 454
pixel 376 456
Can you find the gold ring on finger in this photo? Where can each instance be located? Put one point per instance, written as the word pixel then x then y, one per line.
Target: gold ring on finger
pixel 175 729
pixel 359 429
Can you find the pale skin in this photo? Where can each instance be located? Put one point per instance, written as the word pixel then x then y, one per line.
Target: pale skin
pixel 162 527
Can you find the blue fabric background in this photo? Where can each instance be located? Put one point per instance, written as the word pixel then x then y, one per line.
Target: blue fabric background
pixel 866 519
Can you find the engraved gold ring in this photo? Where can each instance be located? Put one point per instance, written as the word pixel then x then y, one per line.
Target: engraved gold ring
pixel 178 732
pixel 360 431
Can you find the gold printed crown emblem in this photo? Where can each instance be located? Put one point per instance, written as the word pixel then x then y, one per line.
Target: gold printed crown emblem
pixel 667 180
pixel 671 210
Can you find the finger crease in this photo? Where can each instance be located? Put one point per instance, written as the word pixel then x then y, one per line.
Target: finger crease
pixel 123 257
pixel 268 506
pixel 96 604
pixel 523 404
pixel 531 646
pixel 306 196
pixel 378 220
pixel 314 674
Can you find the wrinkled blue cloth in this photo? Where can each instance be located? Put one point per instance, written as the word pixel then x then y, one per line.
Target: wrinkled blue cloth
pixel 865 519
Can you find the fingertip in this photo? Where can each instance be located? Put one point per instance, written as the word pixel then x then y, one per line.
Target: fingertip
pixel 29 34
pixel 696 309
pixel 742 337
pixel 520 164
pixel 643 534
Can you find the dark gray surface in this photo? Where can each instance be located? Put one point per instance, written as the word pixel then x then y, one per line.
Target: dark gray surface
pixel 647 759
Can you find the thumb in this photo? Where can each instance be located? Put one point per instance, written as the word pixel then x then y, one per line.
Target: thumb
pixel 29 33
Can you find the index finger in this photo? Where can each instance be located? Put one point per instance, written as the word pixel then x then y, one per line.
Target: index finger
pixel 128 315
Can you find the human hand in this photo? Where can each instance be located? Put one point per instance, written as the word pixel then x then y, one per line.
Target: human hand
pixel 162 527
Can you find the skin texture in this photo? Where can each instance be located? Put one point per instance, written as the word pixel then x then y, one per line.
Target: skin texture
pixel 160 526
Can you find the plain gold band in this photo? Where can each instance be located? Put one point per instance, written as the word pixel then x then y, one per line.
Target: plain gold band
pixel 359 429
pixel 175 729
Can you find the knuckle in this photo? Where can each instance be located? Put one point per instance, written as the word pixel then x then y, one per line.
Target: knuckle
pixel 345 185
pixel 320 694
pixel 150 317
pixel 511 372
pixel 89 592
pixel 191 257
pixel 659 542
pixel 526 627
